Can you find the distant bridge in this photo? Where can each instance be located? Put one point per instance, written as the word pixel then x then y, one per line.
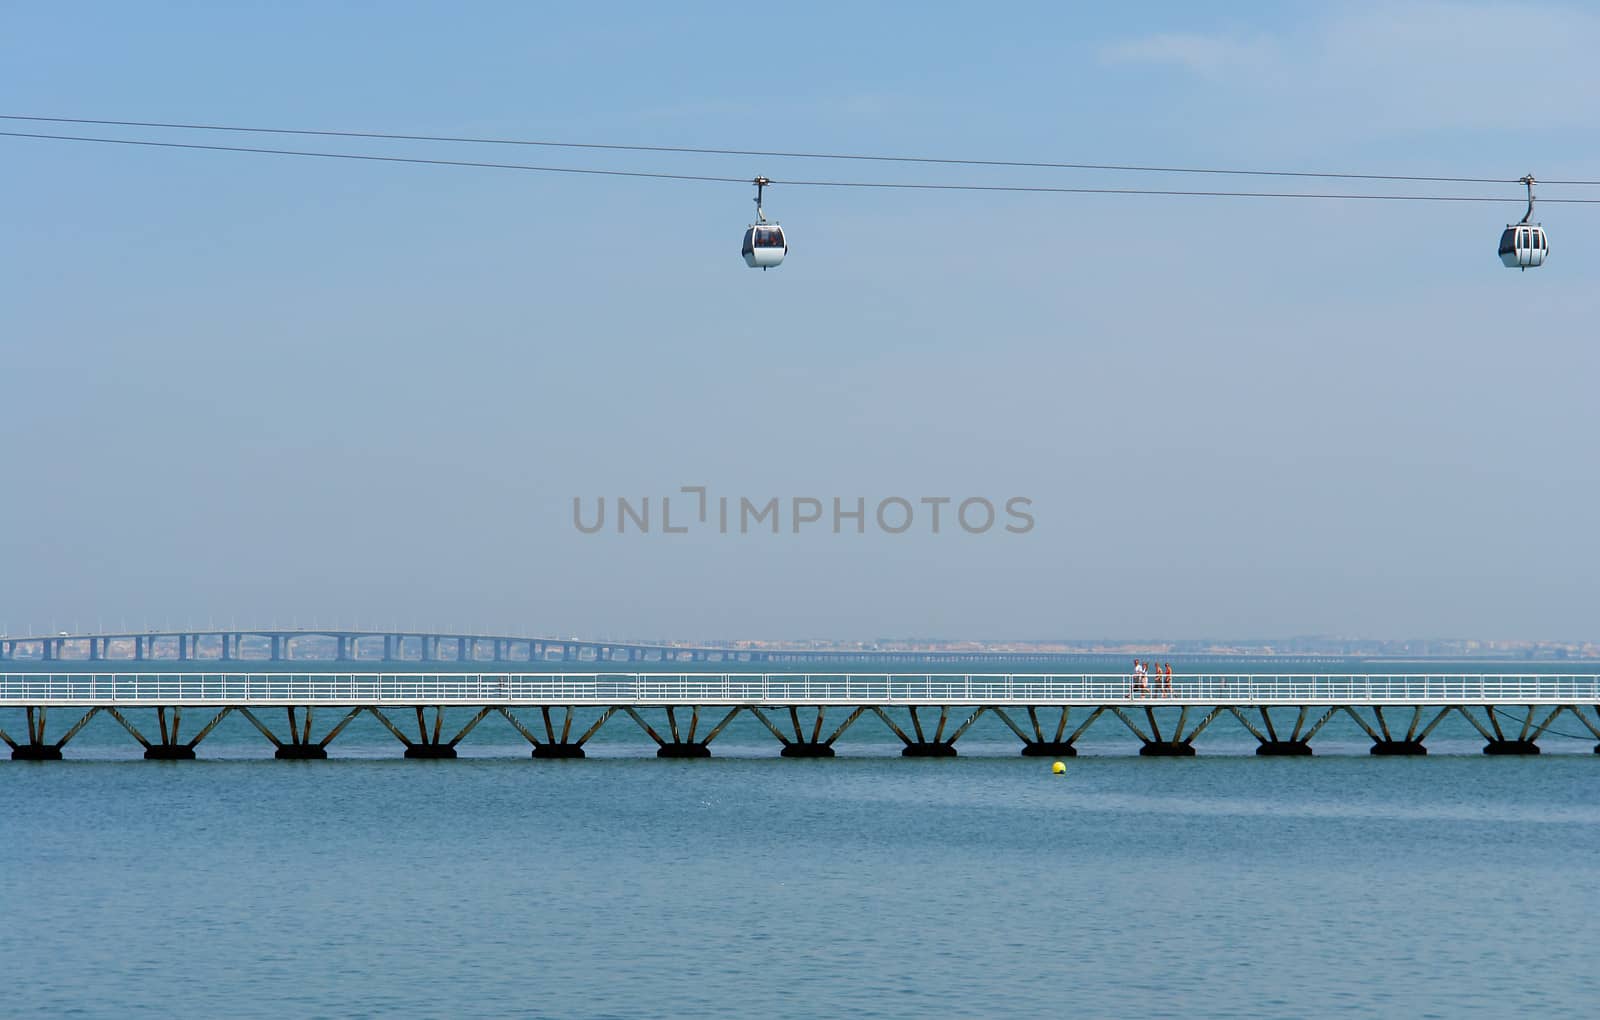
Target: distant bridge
pixel 369 646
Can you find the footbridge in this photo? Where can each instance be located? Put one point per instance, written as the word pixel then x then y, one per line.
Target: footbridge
pixel 807 713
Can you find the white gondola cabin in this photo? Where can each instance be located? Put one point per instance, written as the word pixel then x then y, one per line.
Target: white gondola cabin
pixel 1524 245
pixel 764 243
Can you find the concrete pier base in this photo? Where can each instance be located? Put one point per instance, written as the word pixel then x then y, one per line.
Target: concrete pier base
pixel 683 751
pixel 436 752
pixel 1398 748
pixel 169 752
pixel 1510 747
pixel 36 752
pixel 928 749
pixel 300 752
pixel 558 751
pixel 1049 749
pixel 1166 749
pixel 806 750
pixel 1284 749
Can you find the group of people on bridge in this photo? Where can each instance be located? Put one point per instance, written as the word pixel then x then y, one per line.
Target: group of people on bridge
pixel 1145 673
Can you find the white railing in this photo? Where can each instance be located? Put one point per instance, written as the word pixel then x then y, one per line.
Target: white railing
pixel 1000 689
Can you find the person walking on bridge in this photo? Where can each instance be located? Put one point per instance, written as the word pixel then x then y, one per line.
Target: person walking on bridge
pixel 1141 685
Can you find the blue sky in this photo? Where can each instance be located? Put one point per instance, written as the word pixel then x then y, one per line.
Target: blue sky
pixel 258 388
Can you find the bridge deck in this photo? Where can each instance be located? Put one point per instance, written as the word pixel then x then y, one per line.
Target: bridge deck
pixel 228 645
pixel 240 688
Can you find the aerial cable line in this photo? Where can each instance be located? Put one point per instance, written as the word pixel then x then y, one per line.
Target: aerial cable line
pixel 779 154
pixel 1030 189
pixel 379 159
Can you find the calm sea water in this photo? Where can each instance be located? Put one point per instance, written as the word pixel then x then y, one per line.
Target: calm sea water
pixel 749 885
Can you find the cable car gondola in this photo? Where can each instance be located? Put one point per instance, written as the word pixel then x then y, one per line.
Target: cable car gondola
pixel 764 243
pixel 1524 245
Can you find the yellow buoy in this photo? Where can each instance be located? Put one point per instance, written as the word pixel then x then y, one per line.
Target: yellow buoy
pixel 1058 768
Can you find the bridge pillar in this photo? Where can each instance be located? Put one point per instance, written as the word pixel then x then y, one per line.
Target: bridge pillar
pixel 553 746
pixel 807 749
pixel 388 648
pixel 921 746
pixel 225 640
pixel 1398 748
pixel 37 747
pixel 431 743
pixel 683 749
pixel 1284 749
pixel 300 746
pixel 139 646
pixel 438 751
pixel 1390 743
pixel 805 744
pixel 96 649
pixel 1166 749
pixel 559 751
pixel 169 752
pixel 36 752
pixel 342 651
pixel 171 747
pixel 1510 747
pixel 682 745
pixel 1499 741
pixel 50 649
pixel 1057 743
pixel 183 647
pixel 1177 743
pixel 1049 749
pixel 277 647
pixel 300 752
pixel 929 749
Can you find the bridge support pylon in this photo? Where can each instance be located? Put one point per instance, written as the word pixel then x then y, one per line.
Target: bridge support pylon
pixel 430 744
pixel 806 749
pixel 1387 743
pixel 805 744
pixel 1058 744
pixel 1511 747
pixel 1271 744
pixel 921 746
pixel 1176 743
pixel 1577 712
pixel 1499 742
pixel 681 745
pixel 559 751
pixel 171 747
pixel 554 747
pixel 1284 749
pixel 36 747
pixel 1399 748
pixel 300 746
